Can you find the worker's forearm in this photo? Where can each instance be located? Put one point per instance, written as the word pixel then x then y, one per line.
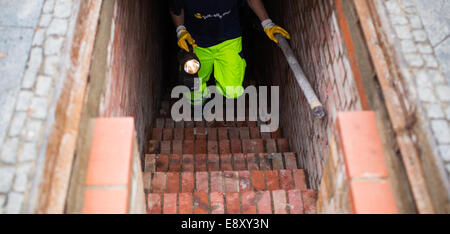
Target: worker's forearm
pixel 178 20
pixel 259 9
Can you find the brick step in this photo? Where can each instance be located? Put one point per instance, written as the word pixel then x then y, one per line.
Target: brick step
pixel 216 162
pixel 202 133
pixel 219 147
pixel 224 181
pixel 170 123
pixel 262 202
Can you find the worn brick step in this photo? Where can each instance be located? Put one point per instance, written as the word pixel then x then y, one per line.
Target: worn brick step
pixel 232 146
pixel 293 201
pixel 223 162
pixel 224 181
pixel 202 133
pixel 170 123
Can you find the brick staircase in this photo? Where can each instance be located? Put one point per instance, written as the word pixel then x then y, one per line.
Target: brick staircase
pixel 223 168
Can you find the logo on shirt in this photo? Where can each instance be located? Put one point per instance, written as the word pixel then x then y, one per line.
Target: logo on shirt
pixel 198 16
pixel 216 15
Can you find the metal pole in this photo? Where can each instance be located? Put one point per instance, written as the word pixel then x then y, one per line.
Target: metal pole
pixel 316 106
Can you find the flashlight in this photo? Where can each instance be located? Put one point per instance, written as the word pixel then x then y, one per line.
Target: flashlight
pixel 189 67
pixel 192 66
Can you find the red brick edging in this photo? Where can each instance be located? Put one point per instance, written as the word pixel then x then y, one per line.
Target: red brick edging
pixel 370 188
pixel 108 180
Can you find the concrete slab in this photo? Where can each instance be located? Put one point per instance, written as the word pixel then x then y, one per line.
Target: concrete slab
pixel 436 19
pixel 15 46
pixel 20 13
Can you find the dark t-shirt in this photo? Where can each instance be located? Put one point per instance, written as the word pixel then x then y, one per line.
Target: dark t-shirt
pixel 210 22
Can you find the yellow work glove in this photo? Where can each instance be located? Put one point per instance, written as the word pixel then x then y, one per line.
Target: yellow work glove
pixel 184 37
pixel 271 29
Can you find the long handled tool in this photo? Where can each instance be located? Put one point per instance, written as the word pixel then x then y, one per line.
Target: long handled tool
pixel 316 106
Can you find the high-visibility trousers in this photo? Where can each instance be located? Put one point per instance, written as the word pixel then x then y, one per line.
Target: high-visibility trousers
pixel 229 70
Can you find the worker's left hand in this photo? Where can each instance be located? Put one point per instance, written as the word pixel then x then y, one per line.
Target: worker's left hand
pixel 271 29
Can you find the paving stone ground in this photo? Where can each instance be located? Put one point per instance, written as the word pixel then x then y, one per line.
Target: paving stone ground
pixel 436 22
pixel 436 19
pixel 422 29
pixel 32 38
pixel 17 22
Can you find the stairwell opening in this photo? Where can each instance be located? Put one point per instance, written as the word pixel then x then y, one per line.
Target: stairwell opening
pixel 134 68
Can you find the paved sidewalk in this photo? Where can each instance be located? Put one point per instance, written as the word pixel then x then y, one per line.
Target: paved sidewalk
pixel 422 30
pixel 33 34
pixel 435 15
pixel 18 20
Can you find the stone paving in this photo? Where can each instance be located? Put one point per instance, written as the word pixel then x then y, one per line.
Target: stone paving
pixel 33 33
pixel 422 31
pixel 436 19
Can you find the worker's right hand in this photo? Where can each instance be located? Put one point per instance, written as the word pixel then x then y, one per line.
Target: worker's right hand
pixel 185 39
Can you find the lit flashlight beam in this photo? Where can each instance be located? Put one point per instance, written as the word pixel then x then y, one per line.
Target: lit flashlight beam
pixel 192 66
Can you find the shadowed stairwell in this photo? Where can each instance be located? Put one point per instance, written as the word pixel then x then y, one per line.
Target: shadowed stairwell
pixel 223 168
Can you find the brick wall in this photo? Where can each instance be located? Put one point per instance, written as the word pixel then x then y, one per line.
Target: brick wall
pixel 135 63
pixel 317 41
pixel 134 81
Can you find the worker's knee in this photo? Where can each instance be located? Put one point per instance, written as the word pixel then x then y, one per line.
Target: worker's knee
pixel 198 97
pixel 230 77
pixel 232 92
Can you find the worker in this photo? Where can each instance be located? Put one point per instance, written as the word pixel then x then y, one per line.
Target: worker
pixel 212 28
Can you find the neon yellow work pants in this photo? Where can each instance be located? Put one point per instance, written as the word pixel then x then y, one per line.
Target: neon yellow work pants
pixel 229 69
